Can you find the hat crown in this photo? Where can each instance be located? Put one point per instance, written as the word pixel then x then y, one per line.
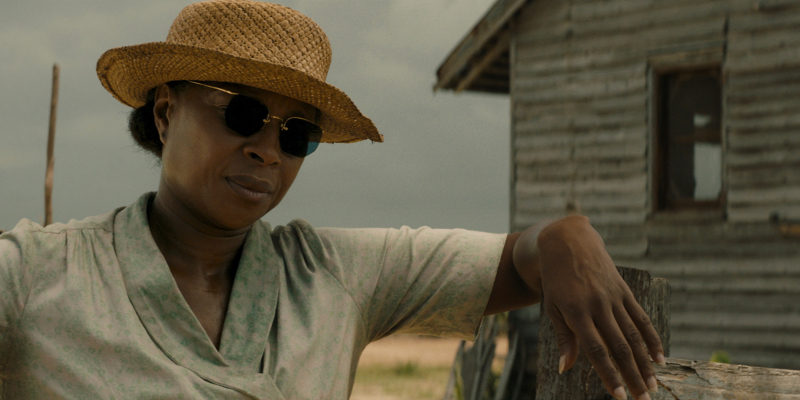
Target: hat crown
pixel 257 31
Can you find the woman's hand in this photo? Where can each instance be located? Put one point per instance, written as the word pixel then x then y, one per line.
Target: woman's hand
pixel 592 307
pixel 564 263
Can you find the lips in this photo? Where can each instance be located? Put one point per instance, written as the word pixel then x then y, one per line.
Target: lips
pixel 250 187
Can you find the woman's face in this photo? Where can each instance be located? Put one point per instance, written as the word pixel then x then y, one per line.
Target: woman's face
pixel 216 175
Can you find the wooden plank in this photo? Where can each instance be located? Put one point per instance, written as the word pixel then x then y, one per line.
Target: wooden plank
pixel 543 32
pixel 763 108
pixel 765 358
pixel 636 102
pixel 710 249
pixel 757 321
pixel 660 14
pixel 788 174
pixel 614 73
pixel 687 56
pixel 765 139
pixel 694 31
pixel 756 124
pixel 683 379
pixel 612 151
pixel 599 137
pixel 534 63
pixel 753 43
pixel 595 169
pixel 579 123
pixel 587 203
pixel 738 341
pixel 542 17
pixel 635 249
pixel 627 218
pixel 759 92
pixel 711 231
pixel 616 230
pixel 572 92
pixel 713 268
pixel 775 303
pixel 776 60
pixel 608 9
pixel 762 213
pixel 619 186
pixel 773 196
pixel 736 82
pixel 621 217
pixel 770 157
pixel 755 22
pixel 775 6
pixel 527 156
pixel 738 285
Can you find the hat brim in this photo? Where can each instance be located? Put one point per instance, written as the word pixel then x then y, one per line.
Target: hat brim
pixel 130 72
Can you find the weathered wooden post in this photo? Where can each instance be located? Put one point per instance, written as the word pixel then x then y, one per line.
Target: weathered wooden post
pixel 51 139
pixel 581 382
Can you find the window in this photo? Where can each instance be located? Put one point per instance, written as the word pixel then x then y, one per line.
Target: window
pixel 688 145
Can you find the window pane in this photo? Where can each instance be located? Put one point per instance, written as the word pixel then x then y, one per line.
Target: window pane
pixel 690 137
pixel 707 170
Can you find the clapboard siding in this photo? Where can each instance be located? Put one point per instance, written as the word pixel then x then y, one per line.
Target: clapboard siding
pixel 747 307
pixel 580 89
pixel 764 176
pixel 763 100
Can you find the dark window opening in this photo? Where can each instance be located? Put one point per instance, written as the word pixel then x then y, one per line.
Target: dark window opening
pixel 689 146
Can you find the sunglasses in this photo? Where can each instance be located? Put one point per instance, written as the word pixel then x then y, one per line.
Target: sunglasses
pixel 245 115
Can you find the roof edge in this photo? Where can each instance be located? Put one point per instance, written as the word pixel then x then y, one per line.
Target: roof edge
pixel 473 43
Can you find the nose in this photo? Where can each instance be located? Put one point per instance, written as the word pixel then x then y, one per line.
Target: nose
pixel 265 148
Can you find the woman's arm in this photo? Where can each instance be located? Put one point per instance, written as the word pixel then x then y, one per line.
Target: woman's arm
pixel 564 263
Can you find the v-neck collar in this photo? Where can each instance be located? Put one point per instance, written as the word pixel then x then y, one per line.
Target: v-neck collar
pixel 173 326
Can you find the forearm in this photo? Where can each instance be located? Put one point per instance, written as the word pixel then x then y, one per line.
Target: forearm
pixel 518 282
pixel 525 257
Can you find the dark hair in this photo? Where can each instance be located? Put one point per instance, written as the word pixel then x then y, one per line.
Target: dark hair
pixel 142 123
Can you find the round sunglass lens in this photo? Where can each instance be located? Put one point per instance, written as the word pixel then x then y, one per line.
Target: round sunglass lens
pixel 245 115
pixel 300 138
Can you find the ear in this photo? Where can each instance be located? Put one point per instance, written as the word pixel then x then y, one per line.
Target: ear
pixel 162 110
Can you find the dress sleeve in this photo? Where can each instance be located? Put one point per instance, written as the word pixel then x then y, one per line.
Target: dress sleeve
pixel 14 284
pixel 419 281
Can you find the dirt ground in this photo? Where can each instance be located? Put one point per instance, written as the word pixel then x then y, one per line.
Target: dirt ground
pixel 431 358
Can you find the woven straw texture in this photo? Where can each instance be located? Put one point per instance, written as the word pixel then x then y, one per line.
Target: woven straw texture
pixel 257 44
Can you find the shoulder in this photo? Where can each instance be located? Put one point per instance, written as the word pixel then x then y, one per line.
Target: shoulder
pixel 31 240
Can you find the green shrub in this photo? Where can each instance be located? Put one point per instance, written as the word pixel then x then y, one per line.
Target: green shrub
pixel 720 356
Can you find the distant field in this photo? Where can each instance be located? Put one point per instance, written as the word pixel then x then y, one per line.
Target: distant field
pixel 405 367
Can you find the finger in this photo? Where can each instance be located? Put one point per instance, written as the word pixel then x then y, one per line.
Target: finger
pixel 566 340
pixel 631 333
pixel 623 355
pixel 648 332
pixel 595 349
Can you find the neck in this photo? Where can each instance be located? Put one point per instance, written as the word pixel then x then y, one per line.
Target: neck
pixel 193 249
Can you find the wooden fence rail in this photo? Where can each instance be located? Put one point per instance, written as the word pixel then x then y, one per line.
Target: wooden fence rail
pixel 678 380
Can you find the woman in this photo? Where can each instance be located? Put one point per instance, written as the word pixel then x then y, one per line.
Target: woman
pixel 187 294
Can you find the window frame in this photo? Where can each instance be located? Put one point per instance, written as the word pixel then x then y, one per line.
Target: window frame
pixel 661 65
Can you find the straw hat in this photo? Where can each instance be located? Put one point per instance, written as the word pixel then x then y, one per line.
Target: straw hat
pixel 257 44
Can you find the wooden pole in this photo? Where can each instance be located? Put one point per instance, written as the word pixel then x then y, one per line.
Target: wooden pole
pixel 581 381
pixel 51 139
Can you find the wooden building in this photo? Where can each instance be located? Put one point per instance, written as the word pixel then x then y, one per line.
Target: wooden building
pixel 675 126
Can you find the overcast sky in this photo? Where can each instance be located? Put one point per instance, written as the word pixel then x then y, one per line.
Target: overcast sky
pixel 444 163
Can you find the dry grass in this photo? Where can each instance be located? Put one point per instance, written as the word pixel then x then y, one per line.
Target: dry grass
pixel 403 367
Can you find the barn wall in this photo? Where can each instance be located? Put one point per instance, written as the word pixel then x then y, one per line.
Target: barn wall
pixel 581 89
